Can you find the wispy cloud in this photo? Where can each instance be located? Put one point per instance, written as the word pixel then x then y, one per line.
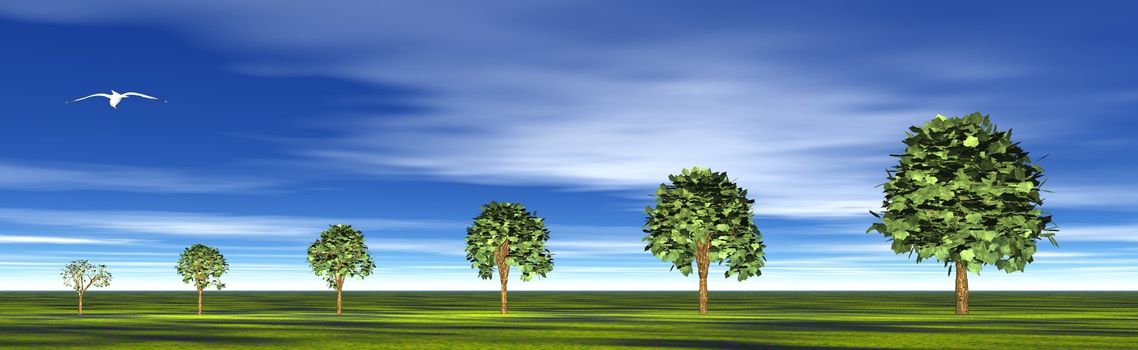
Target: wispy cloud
pixel 63 240
pixel 531 105
pixel 454 247
pixel 1109 233
pixel 74 177
pixel 1068 254
pixel 201 224
pixel 839 248
pixel 104 177
pixel 1117 197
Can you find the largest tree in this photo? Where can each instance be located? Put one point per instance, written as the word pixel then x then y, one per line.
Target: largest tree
pixel 702 216
pixel 965 194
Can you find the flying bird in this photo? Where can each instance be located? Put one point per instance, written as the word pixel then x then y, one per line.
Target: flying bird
pixel 115 97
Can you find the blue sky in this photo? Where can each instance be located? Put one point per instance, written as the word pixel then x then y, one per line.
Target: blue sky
pixel 402 118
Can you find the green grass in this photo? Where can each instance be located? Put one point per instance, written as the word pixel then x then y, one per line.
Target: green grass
pixel 469 320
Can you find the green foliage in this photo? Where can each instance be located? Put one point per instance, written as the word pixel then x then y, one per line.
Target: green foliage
pixel 963 190
pixel 340 252
pixel 701 205
pixel 81 274
pixel 203 266
pixel 525 233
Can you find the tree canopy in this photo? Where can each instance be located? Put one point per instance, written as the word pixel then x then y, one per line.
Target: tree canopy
pixel 522 233
pixel 202 266
pixel 82 274
pixel 340 252
pixel 964 191
pixel 701 206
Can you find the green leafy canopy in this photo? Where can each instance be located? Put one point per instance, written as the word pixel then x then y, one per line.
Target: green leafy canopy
pixel 704 206
pixel 203 266
pixel 340 252
pixel 82 274
pixel 964 191
pixel 525 233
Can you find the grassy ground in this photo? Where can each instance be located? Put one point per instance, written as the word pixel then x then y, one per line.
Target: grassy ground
pixel 469 320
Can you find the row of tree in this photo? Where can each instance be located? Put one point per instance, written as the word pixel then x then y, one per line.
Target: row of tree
pixel 963 193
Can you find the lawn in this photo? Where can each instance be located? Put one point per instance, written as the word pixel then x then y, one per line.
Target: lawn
pixel 469 320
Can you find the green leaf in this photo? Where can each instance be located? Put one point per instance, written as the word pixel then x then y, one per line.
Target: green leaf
pixel 967 255
pixel 900 235
pixel 1025 186
pixel 971 141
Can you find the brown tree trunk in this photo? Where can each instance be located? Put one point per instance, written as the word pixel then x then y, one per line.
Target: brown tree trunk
pixel 503 272
pixel 702 261
pixel 961 289
pixel 199 301
pixel 339 296
pixel 80 303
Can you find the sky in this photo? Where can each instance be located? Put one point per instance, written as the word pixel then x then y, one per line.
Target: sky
pixel 403 117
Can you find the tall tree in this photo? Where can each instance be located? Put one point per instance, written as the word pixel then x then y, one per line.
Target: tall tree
pixel 81 274
pixel 505 235
pixel 339 253
pixel 703 216
pixel 203 266
pixel 965 194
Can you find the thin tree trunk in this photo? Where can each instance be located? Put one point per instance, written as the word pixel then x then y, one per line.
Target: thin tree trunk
pixel 199 301
pixel 703 261
pixel 80 303
pixel 339 298
pixel 961 289
pixel 503 272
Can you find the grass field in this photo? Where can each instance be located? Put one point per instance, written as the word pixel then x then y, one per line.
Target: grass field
pixel 469 320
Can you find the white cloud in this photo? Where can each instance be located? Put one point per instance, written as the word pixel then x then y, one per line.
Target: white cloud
pixel 201 224
pixel 63 240
pixel 456 247
pixel 70 177
pixel 1109 233
pixel 1103 196
pixel 1067 254
pixel 876 249
pixel 537 107
pixel 607 245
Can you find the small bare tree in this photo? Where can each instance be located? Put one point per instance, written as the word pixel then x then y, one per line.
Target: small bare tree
pixel 81 274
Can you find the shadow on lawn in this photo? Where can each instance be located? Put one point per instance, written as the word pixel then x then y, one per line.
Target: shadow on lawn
pixel 393 327
pixel 695 344
pixel 965 326
pixel 54 336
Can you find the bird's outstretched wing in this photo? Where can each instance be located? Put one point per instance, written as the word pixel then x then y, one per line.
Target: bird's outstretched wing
pixel 142 95
pixel 89 96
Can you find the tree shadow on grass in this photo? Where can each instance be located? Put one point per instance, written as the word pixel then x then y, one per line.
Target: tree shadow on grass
pixel 86 335
pixel 992 327
pixel 694 344
pixel 383 326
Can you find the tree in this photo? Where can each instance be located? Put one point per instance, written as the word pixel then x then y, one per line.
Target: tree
pixel 505 235
pixel 81 274
pixel 203 266
pixel 702 216
pixel 965 194
pixel 340 252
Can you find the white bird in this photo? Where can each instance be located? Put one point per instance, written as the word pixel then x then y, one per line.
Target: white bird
pixel 114 97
